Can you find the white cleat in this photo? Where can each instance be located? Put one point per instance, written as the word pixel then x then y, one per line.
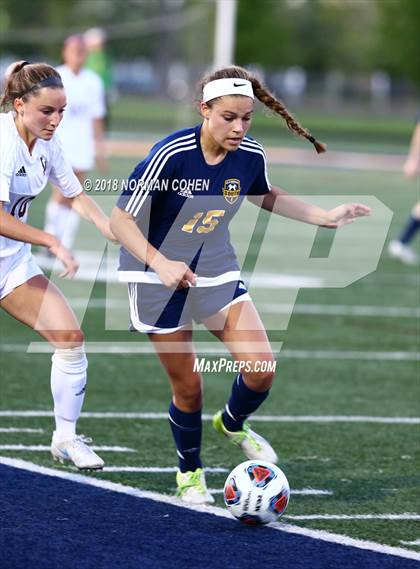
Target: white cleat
pixel 192 487
pixel 253 445
pixel 76 451
pixel 403 253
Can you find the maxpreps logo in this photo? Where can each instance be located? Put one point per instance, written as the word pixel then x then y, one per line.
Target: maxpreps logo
pixel 231 190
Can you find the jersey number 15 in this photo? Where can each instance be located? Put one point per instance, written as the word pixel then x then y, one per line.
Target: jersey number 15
pixel 209 221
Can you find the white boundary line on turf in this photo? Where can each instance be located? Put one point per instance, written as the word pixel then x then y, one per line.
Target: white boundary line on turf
pixel 156 469
pixel 303 492
pixel 342 310
pixel 115 487
pixel 395 517
pixel 210 348
pixel 208 470
pixel 42 448
pixel 256 418
pixel 415 542
pixel 16 430
pixel 350 355
pixel 321 309
pixel 89 271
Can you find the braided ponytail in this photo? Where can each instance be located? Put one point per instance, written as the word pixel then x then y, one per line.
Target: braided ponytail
pixel 267 99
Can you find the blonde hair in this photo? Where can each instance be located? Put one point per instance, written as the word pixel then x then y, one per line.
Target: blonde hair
pixel 266 98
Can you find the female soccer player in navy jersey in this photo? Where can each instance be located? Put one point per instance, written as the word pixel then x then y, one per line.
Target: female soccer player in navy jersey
pixel 30 156
pixel 177 259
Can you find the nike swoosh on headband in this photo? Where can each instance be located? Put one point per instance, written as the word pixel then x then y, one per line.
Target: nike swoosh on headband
pixel 227 86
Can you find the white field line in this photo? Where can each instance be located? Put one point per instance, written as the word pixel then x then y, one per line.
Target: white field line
pixel 156 469
pixel 336 419
pixel 44 448
pixel 256 418
pixel 303 492
pixel 210 348
pixel 210 470
pixel 350 355
pixel 128 490
pixel 89 258
pixel 314 457
pixel 305 309
pixel 88 271
pixel 15 430
pixel 395 517
pixel 415 542
pixel 342 310
pixel 312 492
pixel 134 348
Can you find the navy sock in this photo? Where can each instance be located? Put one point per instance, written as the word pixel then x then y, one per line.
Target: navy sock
pixel 242 403
pixel 410 230
pixel 186 430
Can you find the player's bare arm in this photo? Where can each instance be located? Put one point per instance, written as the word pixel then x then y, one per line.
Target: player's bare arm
pixel 89 210
pixel 15 229
pixel 173 274
pixel 281 203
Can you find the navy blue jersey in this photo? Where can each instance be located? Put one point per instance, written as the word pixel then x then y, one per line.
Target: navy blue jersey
pixel 183 205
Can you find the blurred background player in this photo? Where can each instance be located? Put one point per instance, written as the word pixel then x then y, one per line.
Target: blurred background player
pixel 99 61
pixel 179 239
pixel 399 248
pixel 31 156
pixel 81 133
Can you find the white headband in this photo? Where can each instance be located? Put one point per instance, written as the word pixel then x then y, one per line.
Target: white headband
pixel 230 86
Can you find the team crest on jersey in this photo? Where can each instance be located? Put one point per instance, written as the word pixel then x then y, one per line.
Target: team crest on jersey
pixel 231 190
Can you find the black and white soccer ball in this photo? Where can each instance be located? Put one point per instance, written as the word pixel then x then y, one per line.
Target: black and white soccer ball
pixel 256 492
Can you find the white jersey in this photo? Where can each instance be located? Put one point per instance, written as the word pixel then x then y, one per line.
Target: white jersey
pixel 85 102
pixel 23 176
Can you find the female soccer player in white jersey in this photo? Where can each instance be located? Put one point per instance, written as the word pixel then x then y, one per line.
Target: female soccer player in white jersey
pixel 81 133
pixel 400 248
pixel 30 156
pixel 174 233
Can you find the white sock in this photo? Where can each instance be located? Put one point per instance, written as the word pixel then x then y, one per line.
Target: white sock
pixel 68 384
pixel 62 222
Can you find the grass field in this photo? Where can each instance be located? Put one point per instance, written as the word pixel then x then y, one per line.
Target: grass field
pixel 325 408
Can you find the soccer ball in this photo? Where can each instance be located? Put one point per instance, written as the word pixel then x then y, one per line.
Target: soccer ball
pixel 256 492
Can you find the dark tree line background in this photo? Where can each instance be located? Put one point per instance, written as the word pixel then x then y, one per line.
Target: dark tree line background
pixel 349 35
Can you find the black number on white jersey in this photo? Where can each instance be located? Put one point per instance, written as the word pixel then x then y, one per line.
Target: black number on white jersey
pixel 20 207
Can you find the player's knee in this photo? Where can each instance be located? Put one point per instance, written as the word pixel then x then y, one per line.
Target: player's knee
pixel 260 378
pixel 67 339
pixel 187 390
pixel 189 401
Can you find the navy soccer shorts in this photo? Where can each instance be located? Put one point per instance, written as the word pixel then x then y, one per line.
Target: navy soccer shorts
pixel 158 309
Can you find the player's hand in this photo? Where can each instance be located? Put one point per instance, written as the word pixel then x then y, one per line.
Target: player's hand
pixel 66 257
pixel 175 274
pixel 345 213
